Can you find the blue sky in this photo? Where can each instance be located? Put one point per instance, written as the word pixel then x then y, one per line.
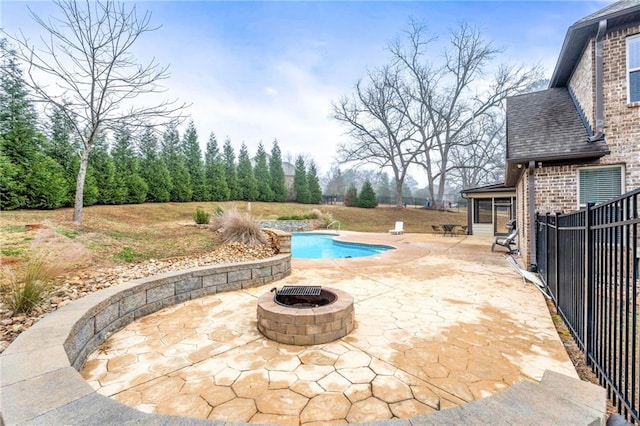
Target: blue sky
pixel 256 71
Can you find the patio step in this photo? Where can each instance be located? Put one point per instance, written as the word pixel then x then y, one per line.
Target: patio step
pixel 556 400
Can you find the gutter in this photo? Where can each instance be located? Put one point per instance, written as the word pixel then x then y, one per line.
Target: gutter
pixel 599 77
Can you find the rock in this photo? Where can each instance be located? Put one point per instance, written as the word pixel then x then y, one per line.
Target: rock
pixel 82 283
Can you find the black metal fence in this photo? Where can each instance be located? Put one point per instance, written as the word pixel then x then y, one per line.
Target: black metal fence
pixel 589 262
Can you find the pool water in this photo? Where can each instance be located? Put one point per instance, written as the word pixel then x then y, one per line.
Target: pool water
pixel 322 246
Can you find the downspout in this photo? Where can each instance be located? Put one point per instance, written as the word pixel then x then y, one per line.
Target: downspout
pixel 469 206
pixel 599 77
pixel 531 182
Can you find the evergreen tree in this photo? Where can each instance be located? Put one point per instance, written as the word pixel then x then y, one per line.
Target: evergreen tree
pixel 300 184
pixel 315 192
pixel 61 147
pixel 247 184
pixel 153 169
pixel 91 191
pixel 17 116
pixel 9 181
pixel 367 197
pixel 278 185
pixel 193 155
pixel 263 177
pixel 215 179
pixel 46 184
pixel 351 197
pixel 176 163
pixel 229 158
pixel 127 166
pixel 19 136
pixel 111 189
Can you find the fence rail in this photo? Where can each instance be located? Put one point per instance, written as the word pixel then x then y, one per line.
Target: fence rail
pixel 589 261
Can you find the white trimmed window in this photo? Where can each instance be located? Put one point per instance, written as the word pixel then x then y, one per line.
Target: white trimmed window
pixel 633 69
pixel 599 184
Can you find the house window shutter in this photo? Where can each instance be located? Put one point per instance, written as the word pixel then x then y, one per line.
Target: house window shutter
pixel 633 68
pixel 599 184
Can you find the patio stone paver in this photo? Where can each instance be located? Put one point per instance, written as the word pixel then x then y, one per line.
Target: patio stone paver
pixel 439 322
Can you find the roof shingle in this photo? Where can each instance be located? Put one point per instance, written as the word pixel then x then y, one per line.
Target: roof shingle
pixel 546 125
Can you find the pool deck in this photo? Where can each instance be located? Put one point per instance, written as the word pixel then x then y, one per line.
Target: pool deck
pixel 440 321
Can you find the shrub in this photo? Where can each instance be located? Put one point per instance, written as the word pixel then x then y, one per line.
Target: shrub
pixel 308 216
pixel 351 197
pixel 367 198
pixel 201 217
pixel 25 287
pixel 241 228
pixel 325 218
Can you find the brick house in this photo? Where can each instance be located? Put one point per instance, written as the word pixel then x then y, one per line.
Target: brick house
pixel 579 140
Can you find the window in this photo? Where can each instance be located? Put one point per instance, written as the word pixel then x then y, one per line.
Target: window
pixel 633 69
pixel 483 209
pixel 599 184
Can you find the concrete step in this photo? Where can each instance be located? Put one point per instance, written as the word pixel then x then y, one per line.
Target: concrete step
pixel 590 397
pixel 556 400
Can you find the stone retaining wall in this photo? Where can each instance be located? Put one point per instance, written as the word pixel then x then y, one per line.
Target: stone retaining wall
pixel 39 378
pixel 289 225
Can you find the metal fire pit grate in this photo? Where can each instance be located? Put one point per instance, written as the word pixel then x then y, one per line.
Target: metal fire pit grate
pixel 299 290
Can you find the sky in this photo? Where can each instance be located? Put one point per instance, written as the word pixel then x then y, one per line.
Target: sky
pixel 264 70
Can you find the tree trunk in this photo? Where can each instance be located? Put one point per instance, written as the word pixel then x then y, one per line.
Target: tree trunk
pixel 399 202
pixel 79 202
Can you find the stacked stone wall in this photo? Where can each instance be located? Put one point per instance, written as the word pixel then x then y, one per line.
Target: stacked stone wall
pixel 289 225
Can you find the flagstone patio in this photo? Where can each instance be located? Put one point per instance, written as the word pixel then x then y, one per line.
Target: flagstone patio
pixel 439 322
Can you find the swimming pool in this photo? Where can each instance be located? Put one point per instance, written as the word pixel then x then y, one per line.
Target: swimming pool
pixel 322 246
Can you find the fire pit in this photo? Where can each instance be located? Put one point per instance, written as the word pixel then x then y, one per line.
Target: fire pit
pixel 305 315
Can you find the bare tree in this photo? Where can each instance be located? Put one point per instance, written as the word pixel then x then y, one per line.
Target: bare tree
pixel 454 97
pixel 380 131
pixel 94 78
pixel 481 160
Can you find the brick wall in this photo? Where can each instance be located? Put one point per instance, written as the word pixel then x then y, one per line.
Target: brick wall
pixel 621 120
pixel 556 186
pixel 582 83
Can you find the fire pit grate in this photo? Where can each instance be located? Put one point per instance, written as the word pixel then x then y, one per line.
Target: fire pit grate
pixel 299 290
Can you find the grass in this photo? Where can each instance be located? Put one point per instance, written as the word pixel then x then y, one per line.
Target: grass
pixel 23 286
pixel 69 233
pixel 10 251
pixel 122 234
pixel 127 254
pixel 239 228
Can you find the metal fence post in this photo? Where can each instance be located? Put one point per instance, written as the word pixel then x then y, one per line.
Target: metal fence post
pixel 546 244
pixel 589 283
pixel 556 257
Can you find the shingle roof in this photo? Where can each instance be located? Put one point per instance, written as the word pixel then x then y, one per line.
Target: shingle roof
pixel 620 14
pixel 546 125
pixel 496 187
pixel 608 11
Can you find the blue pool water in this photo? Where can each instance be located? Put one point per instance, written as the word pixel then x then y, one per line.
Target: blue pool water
pixel 322 246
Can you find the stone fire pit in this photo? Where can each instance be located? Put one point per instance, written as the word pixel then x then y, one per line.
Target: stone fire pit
pixel 305 315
